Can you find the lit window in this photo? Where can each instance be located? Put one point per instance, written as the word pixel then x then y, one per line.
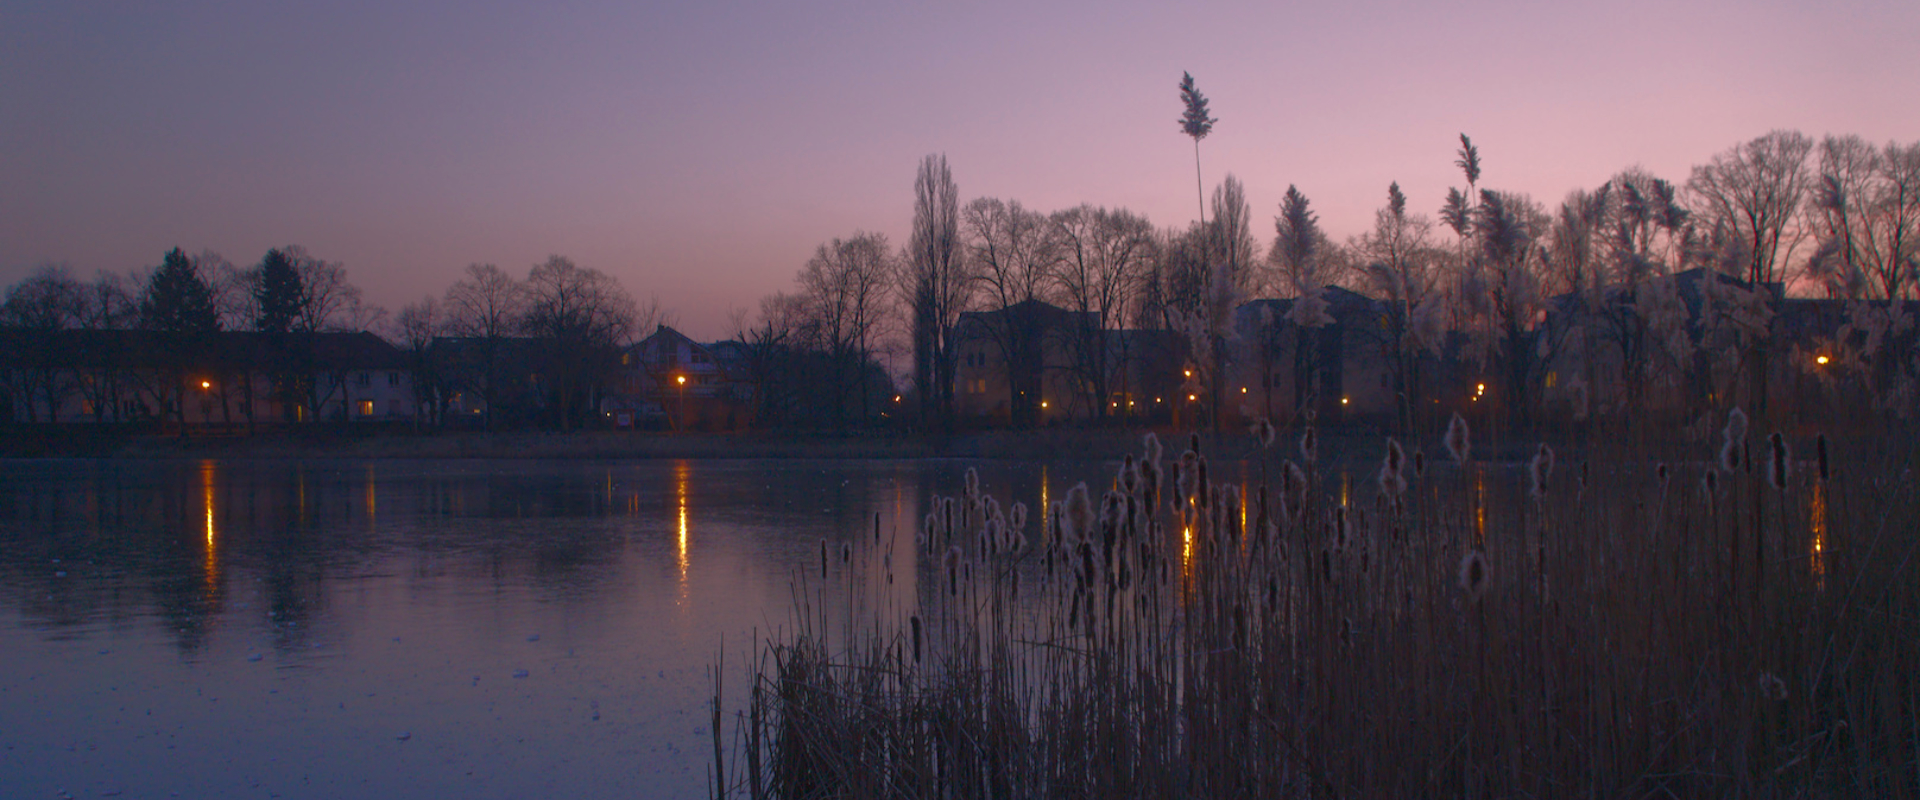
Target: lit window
pixel 366 408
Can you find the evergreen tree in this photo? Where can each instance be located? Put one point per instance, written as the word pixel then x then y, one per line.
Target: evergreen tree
pixel 278 294
pixel 178 298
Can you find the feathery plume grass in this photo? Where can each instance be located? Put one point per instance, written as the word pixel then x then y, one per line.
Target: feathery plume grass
pixel 1459 440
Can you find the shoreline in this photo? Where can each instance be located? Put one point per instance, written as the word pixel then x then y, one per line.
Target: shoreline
pixel 592 445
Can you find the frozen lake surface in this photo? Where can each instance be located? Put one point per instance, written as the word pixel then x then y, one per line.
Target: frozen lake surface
pixel 458 629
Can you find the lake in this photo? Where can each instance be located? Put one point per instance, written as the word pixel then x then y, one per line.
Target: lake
pixel 470 629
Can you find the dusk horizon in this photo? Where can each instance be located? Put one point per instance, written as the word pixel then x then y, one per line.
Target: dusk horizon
pixel 700 158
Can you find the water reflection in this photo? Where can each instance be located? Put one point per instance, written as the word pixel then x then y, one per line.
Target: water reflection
pixel 1817 510
pixel 330 606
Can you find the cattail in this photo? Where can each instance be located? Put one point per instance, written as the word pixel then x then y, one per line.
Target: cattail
pixel 1392 484
pixel 928 526
pixel 1710 483
pixel 1051 531
pixel 1152 443
pixel 1294 482
pixel 915 619
pixel 1201 486
pixel 1459 440
pixel 1777 461
pixel 1733 441
pixel 1419 463
pixel 1772 688
pixel 1193 443
pixel 1019 517
pixel 1541 470
pixel 1309 444
pixel 973 484
pixel 823 559
pixel 1129 475
pixel 1262 432
pixel 951 563
pixel 846 552
pixel 1660 472
pixel 1077 522
pixel 1342 529
pixel 1820 450
pixel 1473 575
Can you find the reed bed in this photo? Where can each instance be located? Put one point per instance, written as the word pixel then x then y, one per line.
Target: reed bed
pixel 1745 624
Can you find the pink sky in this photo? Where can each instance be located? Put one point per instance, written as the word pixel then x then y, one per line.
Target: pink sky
pixel 700 151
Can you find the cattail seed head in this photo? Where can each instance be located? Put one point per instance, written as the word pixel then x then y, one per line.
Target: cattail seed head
pixel 1077 522
pixel 973 484
pixel 1541 470
pixel 1473 575
pixel 915 619
pixel 1419 463
pixel 1018 520
pixel 1152 443
pixel 1459 440
pixel 1129 475
pixel 1294 482
pixel 1660 473
pixel 1710 482
pixel 1262 431
pixel 846 552
pixel 1310 444
pixel 1772 688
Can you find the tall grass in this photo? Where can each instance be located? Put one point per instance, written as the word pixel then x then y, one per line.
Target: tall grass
pixel 1604 626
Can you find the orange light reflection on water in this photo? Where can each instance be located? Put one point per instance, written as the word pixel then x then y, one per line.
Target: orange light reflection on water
pixel 682 471
pixel 1818 521
pixel 211 567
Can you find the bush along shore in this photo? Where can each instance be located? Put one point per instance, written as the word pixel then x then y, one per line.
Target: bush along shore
pixel 1743 624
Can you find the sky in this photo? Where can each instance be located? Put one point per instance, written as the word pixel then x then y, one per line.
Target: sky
pixel 700 152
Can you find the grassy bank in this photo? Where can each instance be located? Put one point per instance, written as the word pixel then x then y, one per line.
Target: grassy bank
pixel 1743 622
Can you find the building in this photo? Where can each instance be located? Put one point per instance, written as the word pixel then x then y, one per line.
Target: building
pixel 202 379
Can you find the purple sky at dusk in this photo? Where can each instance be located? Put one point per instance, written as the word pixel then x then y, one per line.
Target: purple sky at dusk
pixel 700 151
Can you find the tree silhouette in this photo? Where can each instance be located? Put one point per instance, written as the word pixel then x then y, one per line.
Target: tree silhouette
pixel 1197 124
pixel 178 298
pixel 278 293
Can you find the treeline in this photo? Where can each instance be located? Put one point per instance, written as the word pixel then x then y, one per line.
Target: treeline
pixel 1836 217
pixel 1783 213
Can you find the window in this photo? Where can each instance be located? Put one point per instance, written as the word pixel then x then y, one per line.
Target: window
pixel 365 379
pixel 393 379
pixel 366 408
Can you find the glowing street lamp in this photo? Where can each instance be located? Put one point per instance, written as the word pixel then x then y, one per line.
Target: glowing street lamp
pixel 1822 361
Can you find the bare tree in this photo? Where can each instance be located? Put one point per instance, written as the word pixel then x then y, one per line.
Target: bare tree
pixel 938 284
pixel 583 317
pixel 416 326
pixel 1864 209
pixel 1754 191
pixel 1015 253
pixel 485 306
pixel 844 287
pixel 1105 256
pixel 1402 269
